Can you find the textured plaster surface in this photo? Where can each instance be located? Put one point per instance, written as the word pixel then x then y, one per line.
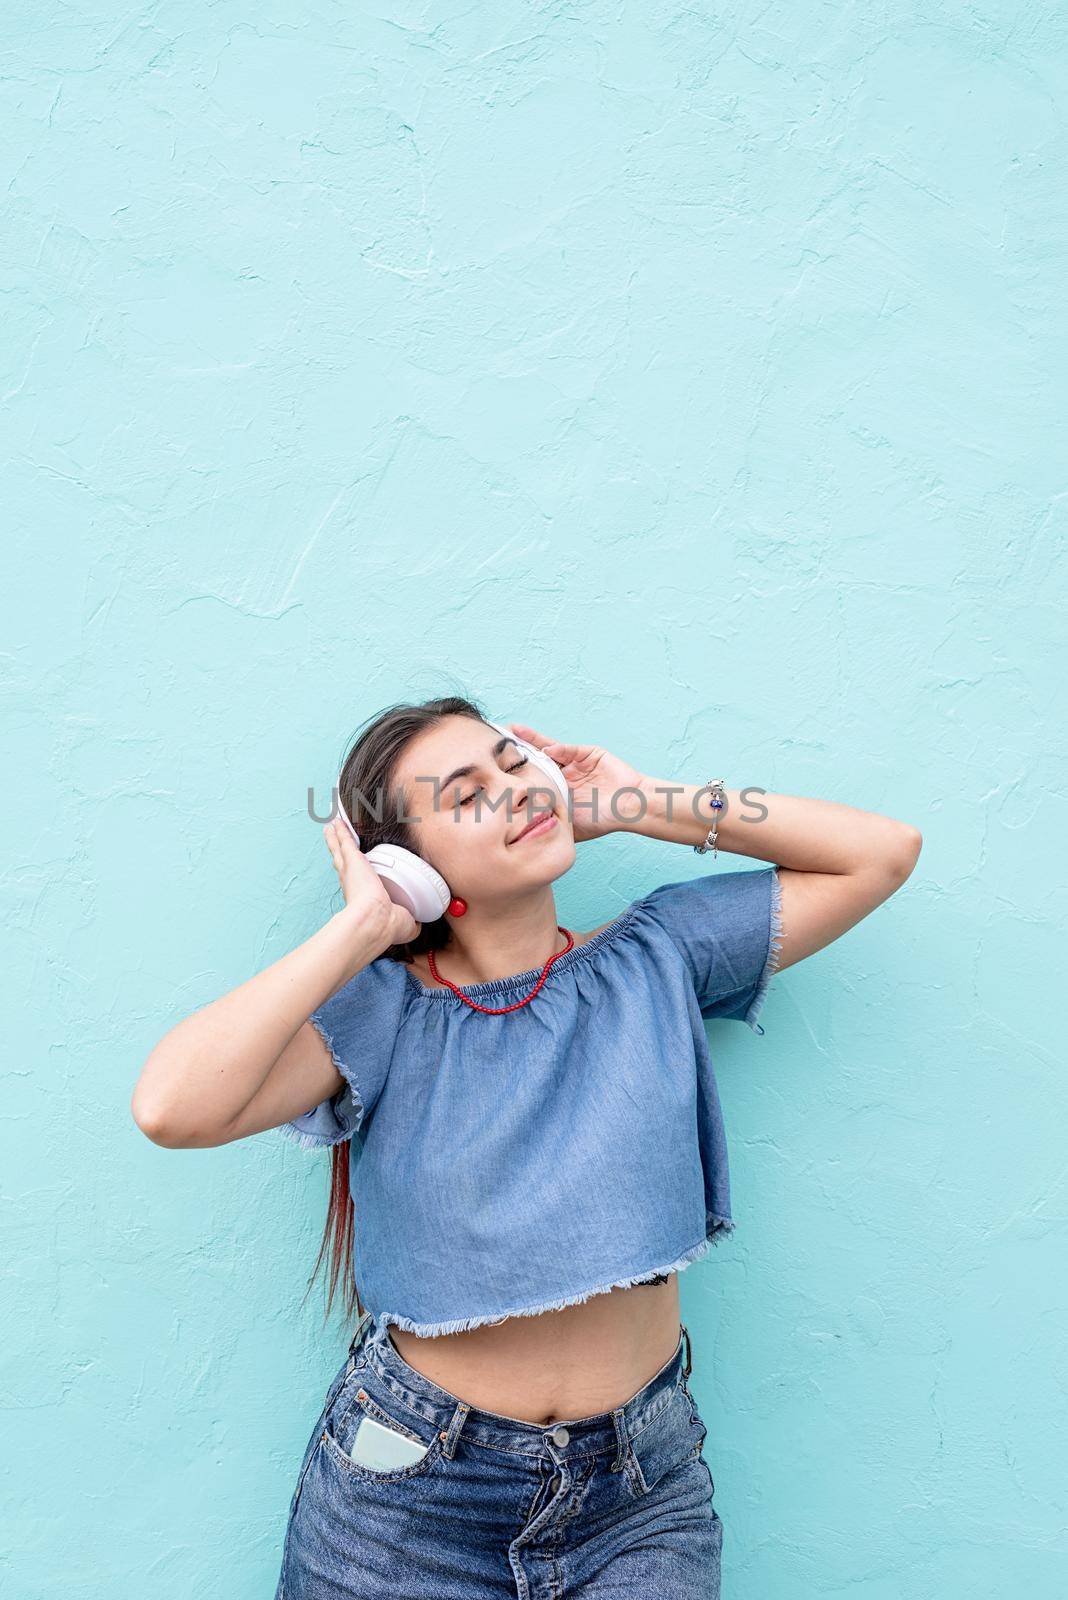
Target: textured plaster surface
pixel 686 379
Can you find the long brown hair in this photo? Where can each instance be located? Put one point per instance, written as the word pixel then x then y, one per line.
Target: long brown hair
pixel 376 806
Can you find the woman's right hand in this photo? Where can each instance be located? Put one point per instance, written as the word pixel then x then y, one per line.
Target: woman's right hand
pixel 365 893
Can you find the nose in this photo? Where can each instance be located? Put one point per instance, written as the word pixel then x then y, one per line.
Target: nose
pixel 536 797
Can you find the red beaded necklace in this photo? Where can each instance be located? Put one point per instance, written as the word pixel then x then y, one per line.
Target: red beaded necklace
pixel 502 1009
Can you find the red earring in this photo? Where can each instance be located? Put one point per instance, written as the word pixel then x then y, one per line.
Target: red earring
pixel 457 907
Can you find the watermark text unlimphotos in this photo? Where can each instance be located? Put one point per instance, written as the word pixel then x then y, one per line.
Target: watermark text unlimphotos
pixel 629 804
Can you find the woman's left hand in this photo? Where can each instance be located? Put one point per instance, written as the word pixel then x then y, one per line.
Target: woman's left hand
pixel 607 794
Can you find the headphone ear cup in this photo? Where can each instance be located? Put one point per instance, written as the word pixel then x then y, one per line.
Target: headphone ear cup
pixel 411 882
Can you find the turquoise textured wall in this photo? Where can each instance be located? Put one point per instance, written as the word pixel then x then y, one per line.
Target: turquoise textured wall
pixel 685 379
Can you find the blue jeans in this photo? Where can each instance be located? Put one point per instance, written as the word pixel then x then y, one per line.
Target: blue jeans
pixel 612 1504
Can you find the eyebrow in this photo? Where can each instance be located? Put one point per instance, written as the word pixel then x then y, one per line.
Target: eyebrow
pixel 465 772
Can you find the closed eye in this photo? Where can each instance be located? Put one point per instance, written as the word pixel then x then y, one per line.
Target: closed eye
pixel 516 768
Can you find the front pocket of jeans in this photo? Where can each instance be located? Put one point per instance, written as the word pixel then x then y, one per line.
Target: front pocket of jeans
pixel 374 1474
pixel 339 1433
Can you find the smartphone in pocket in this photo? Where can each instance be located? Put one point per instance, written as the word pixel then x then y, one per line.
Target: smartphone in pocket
pixel 381 1448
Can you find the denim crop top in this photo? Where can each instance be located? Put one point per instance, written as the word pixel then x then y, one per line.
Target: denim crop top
pixel 502 1166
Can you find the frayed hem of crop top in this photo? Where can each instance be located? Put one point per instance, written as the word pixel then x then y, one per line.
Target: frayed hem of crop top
pixel 718 1229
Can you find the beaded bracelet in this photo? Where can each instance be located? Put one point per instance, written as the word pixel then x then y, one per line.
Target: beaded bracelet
pixel 715 787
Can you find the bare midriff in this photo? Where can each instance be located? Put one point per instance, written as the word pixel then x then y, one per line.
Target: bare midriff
pixel 558 1366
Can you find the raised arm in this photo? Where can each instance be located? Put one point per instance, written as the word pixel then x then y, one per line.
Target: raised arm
pixel 251 1060
pixel 835 862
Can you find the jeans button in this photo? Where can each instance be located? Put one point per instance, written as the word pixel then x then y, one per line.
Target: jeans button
pixel 560 1436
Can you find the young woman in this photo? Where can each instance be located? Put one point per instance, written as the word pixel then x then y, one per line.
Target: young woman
pixel 527 1151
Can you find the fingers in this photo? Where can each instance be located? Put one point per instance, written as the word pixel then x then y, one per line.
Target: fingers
pixel 562 754
pixel 330 832
pixel 531 735
pixel 541 740
pixel 565 755
pixel 345 853
pixel 344 837
pixel 340 843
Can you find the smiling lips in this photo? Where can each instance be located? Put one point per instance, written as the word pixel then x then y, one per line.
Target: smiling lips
pixel 541 824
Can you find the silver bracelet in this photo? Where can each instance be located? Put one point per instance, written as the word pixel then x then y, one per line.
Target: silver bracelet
pixel 715 785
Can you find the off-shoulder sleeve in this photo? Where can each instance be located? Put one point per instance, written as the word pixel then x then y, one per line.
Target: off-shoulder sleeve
pixel 728 928
pixel 358 1024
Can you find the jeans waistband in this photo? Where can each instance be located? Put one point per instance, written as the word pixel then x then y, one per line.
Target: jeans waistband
pixel 603 1433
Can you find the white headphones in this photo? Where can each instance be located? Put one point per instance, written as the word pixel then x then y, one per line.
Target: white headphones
pixel 412 882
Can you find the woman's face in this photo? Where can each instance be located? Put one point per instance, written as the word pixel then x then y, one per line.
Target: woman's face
pixel 471 793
